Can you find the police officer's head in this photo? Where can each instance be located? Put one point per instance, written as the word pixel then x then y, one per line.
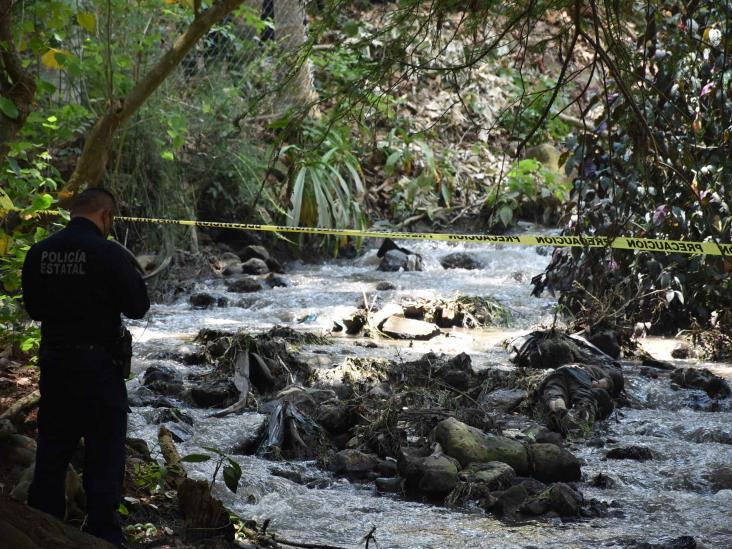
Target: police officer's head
pixel 96 205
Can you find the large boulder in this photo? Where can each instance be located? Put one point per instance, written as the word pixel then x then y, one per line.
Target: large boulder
pixel 203 300
pixel 559 498
pixel 460 260
pixel 636 453
pixel 701 378
pixel 407 328
pixel 470 445
pixel 434 475
pixel 550 463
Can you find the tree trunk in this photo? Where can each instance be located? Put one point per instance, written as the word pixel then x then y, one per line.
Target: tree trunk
pixel 297 89
pixel 93 161
pixel 16 85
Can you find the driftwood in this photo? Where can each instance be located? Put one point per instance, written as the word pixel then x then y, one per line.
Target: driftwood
pixel 21 406
pixel 176 472
pixel 242 383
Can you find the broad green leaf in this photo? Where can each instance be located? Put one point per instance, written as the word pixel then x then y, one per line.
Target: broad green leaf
pixel 505 214
pixel 167 155
pixel 8 108
pixel 41 202
pixel 88 21
pixel 195 458
pixel 297 193
pixel 232 476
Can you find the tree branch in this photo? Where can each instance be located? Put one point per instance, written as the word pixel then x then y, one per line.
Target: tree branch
pixel 92 163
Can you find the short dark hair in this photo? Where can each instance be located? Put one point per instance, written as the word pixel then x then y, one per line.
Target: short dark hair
pixel 92 200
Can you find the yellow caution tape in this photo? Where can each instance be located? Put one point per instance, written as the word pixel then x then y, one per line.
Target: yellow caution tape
pixel 620 242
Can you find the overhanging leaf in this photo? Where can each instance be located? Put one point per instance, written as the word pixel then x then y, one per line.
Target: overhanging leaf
pixel 8 108
pixel 88 21
pixel 55 58
pixel 232 476
pixel 195 458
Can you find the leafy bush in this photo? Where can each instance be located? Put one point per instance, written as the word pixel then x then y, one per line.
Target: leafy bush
pixel 529 190
pixel 657 165
pixel 326 186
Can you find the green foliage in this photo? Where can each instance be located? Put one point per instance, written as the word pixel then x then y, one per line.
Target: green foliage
pixel 527 187
pixel 533 90
pixel 327 182
pixel 150 476
pixel 657 165
pixel 231 472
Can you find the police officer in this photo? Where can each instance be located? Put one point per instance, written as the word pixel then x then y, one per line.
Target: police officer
pixel 77 283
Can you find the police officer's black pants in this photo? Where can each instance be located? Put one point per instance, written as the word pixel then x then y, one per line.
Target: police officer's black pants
pixel 82 395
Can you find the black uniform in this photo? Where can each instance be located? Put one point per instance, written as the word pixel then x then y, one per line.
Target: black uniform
pixel 77 283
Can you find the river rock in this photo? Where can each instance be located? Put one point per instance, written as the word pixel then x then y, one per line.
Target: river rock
pixel 390 309
pixel 164 415
pixel 681 351
pixel 163 380
pixel 559 498
pixel 390 485
pixel 229 264
pixel 550 463
pixel 385 286
pixel 203 300
pixel 493 475
pixel 701 378
pixel 218 393
pixel 682 542
pixel 273 280
pixel 719 477
pixel 435 475
pixel 508 502
pixel 246 284
pixel 354 463
pixel 503 400
pixel 254 252
pixel 336 418
pixel 457 371
pixel 607 342
pixel 397 260
pixel 407 328
pixel 470 445
pixel 637 453
pixel 254 266
pixel 250 429
pixel 460 260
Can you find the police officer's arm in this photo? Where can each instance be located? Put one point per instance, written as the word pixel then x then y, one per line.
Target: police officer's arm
pixel 129 286
pixel 32 289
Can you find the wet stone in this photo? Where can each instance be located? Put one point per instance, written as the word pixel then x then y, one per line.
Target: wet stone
pixel 163 380
pixel 254 266
pixel 397 260
pixel 390 485
pixel 559 498
pixel 637 453
pixel 181 431
pixel 244 285
pixel 354 463
pixel 254 252
pixel 550 463
pixel 503 400
pixel 203 300
pixel 385 286
pixel 407 328
pixel 276 281
pixel 219 393
pixel 460 260
pixel 701 378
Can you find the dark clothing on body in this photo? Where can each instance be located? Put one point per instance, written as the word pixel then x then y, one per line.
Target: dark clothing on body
pixel 77 283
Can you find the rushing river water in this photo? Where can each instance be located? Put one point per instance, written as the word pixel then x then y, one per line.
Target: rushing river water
pixel 656 500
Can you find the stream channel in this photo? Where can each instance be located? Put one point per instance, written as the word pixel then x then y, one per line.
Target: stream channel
pixel 670 496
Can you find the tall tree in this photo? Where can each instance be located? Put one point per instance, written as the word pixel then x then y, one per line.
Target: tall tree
pixel 17 86
pixel 298 90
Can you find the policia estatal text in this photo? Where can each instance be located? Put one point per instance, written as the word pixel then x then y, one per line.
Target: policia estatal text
pixel 77 284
